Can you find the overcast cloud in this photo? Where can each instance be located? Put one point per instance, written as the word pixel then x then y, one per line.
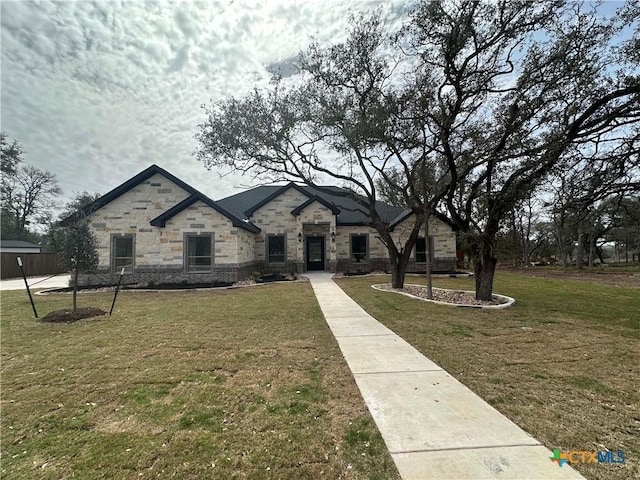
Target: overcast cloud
pixel 97 91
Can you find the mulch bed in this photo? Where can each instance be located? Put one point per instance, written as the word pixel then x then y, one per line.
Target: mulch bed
pixel 455 297
pixel 67 316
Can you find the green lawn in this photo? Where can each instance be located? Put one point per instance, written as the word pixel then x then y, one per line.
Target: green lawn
pixel 243 383
pixel 563 363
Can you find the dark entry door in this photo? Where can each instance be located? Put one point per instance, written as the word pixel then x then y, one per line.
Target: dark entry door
pixel 315 253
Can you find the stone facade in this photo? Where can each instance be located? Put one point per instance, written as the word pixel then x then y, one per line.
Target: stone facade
pixel 159 251
pixel 275 219
pixel 444 245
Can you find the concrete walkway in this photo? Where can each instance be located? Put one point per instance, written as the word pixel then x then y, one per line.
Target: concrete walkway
pixel 57 281
pixel 434 427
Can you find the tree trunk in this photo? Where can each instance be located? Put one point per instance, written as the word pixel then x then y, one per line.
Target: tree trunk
pixel 427 264
pixel 592 248
pixel 75 288
pixel 626 252
pixel 580 252
pixel 484 268
pixel 398 262
pixel 398 272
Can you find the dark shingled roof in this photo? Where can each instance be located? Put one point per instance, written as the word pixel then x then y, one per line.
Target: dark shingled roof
pixel 351 212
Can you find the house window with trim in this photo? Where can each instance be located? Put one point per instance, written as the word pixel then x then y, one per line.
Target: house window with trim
pixel 122 255
pixel 198 253
pixel 275 249
pixel 421 250
pixel 359 248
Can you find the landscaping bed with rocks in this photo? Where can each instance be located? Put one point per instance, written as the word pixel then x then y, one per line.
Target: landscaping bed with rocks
pixel 460 298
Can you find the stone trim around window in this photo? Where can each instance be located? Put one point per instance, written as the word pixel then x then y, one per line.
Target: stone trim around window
pixel 186 257
pixel 359 256
pixel 280 258
pixel 117 263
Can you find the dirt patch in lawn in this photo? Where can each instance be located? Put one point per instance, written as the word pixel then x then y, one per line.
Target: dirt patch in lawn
pixel 68 316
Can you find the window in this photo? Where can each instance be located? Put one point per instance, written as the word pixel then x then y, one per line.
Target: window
pixel 359 248
pixel 421 250
pixel 275 249
pixel 122 253
pixel 198 253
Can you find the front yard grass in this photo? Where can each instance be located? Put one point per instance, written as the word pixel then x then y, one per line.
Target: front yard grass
pixel 563 363
pixel 244 383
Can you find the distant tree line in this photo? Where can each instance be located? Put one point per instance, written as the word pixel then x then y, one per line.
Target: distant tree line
pixel 29 196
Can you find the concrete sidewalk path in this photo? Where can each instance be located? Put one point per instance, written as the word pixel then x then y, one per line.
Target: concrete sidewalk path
pixel 50 281
pixel 434 427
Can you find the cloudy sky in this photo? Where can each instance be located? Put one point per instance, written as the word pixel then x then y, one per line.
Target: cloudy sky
pixel 97 91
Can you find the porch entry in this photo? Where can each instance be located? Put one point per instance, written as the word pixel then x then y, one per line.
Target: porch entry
pixel 315 253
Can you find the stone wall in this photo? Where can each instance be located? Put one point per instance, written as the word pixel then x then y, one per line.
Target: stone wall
pixel 246 242
pixel 376 248
pixel 443 236
pixel 275 218
pixel 131 213
pixel 159 251
pixel 228 273
pixel 378 259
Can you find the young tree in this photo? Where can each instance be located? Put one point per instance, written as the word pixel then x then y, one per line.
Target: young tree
pixel 73 206
pixel 77 249
pixel 75 243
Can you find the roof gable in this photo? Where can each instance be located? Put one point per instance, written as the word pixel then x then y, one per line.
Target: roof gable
pixel 249 212
pixel 298 210
pixel 407 213
pixel 161 219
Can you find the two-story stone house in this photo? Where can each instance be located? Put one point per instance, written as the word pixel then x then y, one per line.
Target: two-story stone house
pixel 160 229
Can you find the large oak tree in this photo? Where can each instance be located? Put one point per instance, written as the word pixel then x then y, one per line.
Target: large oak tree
pixel 491 97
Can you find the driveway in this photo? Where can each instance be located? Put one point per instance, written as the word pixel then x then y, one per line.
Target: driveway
pixel 56 281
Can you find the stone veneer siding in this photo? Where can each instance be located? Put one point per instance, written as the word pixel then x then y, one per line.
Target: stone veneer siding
pixel 378 257
pixel 444 239
pixel 159 251
pixel 275 218
pixel 228 273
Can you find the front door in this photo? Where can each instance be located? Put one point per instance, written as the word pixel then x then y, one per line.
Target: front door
pixel 315 253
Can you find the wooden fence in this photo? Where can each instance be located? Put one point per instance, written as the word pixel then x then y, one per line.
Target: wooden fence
pixel 34 264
